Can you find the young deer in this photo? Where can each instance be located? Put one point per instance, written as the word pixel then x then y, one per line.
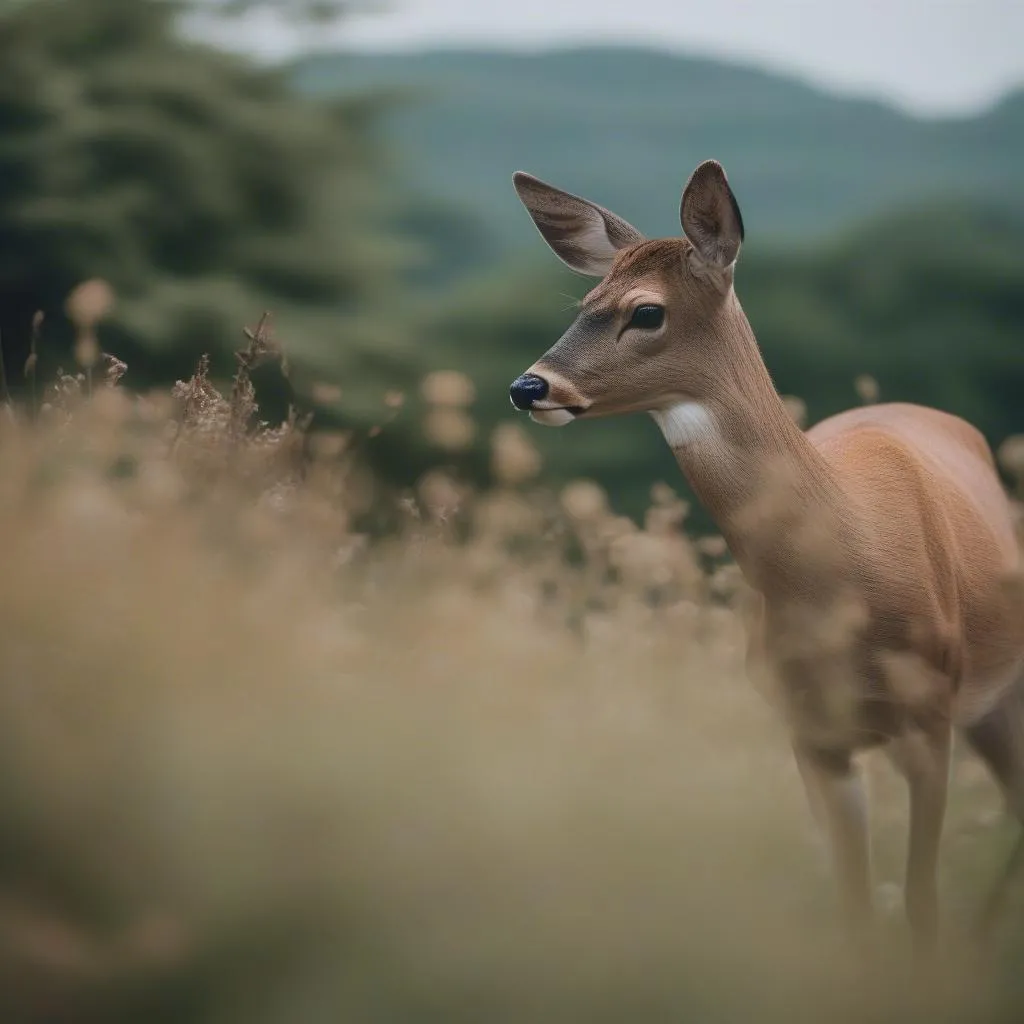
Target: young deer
pixel 879 544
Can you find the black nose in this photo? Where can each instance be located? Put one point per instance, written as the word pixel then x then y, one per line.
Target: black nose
pixel 527 389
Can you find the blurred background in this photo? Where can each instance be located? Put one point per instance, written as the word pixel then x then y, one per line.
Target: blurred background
pixel 347 167
pixel 504 765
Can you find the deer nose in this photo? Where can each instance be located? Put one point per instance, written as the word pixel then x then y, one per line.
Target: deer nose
pixel 527 389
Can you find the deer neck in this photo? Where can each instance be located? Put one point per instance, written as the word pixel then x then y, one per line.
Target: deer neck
pixel 772 495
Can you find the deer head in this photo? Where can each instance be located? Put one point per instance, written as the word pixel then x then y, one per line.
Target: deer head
pixel 662 332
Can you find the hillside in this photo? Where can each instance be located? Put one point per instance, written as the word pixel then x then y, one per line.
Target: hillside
pixel 625 127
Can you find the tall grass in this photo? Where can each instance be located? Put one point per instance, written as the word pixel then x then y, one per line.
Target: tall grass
pixel 503 766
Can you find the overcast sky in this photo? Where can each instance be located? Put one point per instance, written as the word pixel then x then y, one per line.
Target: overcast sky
pixel 933 56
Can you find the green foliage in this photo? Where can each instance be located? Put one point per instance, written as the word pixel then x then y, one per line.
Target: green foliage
pixel 316 10
pixel 200 186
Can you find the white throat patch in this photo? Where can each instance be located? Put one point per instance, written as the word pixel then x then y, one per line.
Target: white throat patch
pixel 684 423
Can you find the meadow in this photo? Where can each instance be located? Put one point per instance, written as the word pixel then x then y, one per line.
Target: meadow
pixel 501 763
pixel 332 691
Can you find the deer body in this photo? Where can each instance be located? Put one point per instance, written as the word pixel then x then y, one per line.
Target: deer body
pixel 878 543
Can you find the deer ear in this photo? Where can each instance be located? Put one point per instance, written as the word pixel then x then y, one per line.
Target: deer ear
pixel 711 216
pixel 583 235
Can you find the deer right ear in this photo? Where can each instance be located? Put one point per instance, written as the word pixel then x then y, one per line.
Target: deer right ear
pixel 584 236
pixel 711 216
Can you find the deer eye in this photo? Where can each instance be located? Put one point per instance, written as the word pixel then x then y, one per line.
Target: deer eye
pixel 648 318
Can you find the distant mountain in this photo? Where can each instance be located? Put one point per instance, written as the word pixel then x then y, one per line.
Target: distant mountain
pixel 626 126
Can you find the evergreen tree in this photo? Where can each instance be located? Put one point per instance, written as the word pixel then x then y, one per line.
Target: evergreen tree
pixel 200 186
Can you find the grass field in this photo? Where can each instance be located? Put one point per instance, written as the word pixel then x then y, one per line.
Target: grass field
pixel 504 766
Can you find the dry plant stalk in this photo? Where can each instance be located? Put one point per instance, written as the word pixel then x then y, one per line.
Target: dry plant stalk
pixel 220 439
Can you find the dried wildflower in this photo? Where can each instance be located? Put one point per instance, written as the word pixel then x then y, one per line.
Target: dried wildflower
pixel 726 580
pixel 584 500
pixel 441 495
pixel 261 344
pixel 113 369
pixel 662 494
pixel 448 388
pixel 89 303
pixel 64 391
pixel 449 428
pixel 504 515
pixel 242 404
pixel 1011 457
pixel 514 459
pixel 38 318
pixel 712 546
pixel 642 559
pixel 202 407
pixel 329 444
pixel 867 388
pixel 408 506
pixel 87 349
pixel 664 519
pixel 797 409
pixel 325 394
pixel 220 438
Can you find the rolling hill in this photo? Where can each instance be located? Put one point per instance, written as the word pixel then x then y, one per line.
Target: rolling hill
pixel 626 126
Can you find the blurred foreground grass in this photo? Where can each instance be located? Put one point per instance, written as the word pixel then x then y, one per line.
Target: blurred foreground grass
pixel 504 766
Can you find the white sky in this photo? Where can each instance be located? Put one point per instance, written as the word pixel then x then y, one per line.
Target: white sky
pixel 932 56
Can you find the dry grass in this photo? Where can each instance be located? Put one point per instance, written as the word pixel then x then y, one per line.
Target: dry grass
pixel 505 766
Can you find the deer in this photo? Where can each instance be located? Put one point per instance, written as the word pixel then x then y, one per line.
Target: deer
pixel 888 519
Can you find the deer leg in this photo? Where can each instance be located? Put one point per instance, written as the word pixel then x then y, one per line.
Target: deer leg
pixel 998 739
pixel 835 791
pixel 812 788
pixel 923 758
pixel 812 792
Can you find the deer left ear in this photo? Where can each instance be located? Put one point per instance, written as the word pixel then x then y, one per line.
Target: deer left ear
pixel 711 216
pixel 584 236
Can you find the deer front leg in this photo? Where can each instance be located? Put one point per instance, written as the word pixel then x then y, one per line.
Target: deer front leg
pixel 809 776
pixel 923 758
pixel 836 794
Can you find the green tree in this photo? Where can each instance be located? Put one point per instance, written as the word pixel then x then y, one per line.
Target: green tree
pixel 200 186
pixel 314 10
